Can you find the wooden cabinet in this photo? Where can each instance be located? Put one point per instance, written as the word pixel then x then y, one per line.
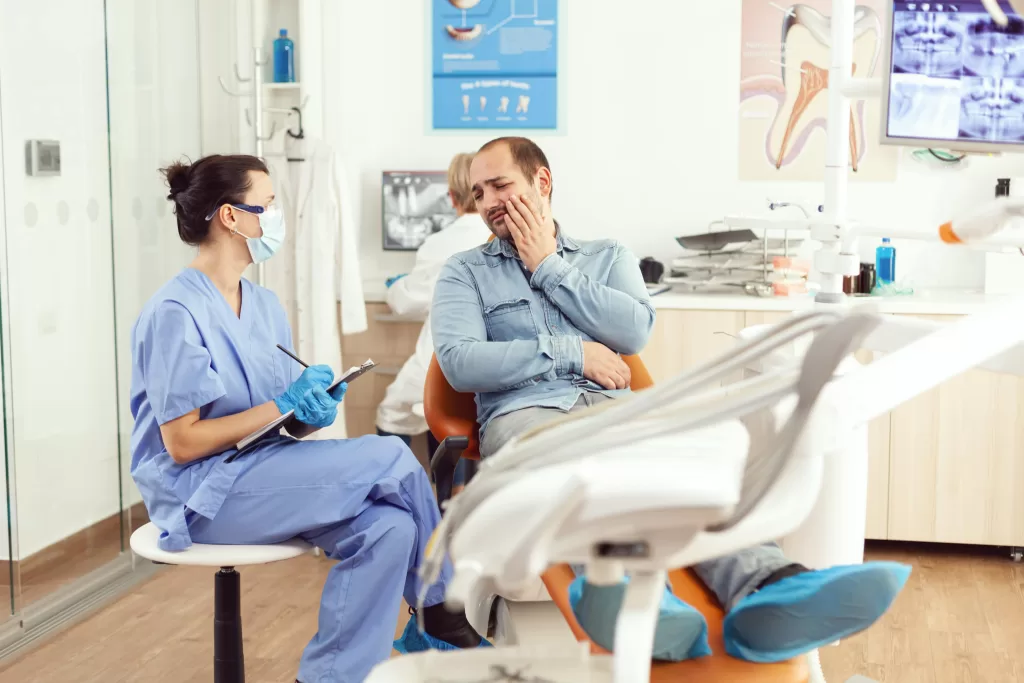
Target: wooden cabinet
pixel 957 462
pixel 683 339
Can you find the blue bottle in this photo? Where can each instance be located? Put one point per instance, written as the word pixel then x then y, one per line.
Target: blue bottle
pixel 284 59
pixel 885 262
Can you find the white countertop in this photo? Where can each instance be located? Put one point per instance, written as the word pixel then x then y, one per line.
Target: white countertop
pixel 923 303
pixel 935 302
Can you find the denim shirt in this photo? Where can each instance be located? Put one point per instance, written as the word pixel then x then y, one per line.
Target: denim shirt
pixel 516 338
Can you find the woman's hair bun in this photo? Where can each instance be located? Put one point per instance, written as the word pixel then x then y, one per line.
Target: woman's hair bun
pixel 178 176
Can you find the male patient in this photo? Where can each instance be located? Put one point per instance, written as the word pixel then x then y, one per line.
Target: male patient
pixel 533 322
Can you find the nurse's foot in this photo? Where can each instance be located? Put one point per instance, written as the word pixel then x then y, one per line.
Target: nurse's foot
pixel 451 627
pixel 442 630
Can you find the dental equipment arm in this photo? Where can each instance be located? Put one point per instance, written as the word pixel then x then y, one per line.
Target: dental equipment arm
pixel 993 8
pixel 473 364
pixel 665 409
pixel 947 351
pixel 619 314
pixel 896 332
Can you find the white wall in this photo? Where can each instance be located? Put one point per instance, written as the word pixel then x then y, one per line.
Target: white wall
pixel 58 270
pixel 651 144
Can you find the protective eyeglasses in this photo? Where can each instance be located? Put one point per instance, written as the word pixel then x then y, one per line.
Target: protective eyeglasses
pixel 248 208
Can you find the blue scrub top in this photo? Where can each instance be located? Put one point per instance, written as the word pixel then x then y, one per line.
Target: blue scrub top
pixel 190 350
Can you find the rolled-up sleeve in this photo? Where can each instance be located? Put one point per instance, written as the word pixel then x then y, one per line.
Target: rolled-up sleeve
pixel 176 366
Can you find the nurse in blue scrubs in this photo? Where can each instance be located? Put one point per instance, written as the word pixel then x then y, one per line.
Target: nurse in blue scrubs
pixel 206 372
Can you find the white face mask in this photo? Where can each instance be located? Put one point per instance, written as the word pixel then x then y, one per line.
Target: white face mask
pixel 273 227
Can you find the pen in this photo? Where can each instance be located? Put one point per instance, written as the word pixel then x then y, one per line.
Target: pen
pixel 294 357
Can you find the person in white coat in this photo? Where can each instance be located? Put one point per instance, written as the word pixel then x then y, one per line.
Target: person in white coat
pixel 400 413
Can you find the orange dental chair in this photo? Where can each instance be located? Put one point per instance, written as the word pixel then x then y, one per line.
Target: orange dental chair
pixel 451 417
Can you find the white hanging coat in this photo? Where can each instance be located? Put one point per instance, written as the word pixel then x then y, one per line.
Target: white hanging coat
pixel 318 265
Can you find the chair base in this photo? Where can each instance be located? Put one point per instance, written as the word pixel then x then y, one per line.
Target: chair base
pixel 228 657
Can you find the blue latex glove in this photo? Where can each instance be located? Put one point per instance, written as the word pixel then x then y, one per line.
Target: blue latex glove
pixel 313 376
pixel 338 393
pixel 392 280
pixel 317 408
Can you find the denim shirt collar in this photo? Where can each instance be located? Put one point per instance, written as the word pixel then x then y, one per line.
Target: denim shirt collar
pixel 498 247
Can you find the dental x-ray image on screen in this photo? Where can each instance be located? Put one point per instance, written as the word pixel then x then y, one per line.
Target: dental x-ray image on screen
pixel 992 109
pixel 415 205
pixel 929 44
pixel 955 76
pixel 994 51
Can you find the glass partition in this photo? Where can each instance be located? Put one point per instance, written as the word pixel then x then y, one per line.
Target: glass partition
pixel 62 433
pixel 90 109
pixel 154 119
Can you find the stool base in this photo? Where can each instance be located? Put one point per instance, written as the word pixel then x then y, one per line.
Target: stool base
pixel 228 658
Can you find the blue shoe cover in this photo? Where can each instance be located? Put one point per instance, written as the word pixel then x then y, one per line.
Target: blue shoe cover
pixel 681 633
pixel 806 611
pixel 413 641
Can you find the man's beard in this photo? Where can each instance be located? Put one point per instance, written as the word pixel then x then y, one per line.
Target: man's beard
pixel 501 228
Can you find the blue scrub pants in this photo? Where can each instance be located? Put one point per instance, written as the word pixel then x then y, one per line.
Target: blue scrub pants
pixel 368 503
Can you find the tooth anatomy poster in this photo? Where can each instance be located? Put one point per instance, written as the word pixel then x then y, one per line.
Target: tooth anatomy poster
pixel 783 99
pixel 495 64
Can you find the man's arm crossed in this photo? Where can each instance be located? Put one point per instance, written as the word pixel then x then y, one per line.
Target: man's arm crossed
pixel 619 314
pixel 470 362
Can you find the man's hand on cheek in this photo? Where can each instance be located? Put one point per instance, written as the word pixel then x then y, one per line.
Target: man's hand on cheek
pixel 533 241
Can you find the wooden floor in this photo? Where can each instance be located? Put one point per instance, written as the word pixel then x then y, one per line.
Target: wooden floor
pixel 52 568
pixel 960 619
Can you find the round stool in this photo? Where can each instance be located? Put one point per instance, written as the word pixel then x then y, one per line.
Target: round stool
pixel 228 659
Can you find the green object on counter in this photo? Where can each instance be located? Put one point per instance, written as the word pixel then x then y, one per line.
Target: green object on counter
pixel 892 289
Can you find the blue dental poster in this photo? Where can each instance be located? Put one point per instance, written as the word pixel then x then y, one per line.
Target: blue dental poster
pixel 495 64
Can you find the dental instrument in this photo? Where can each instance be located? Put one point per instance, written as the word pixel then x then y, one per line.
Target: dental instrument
pixel 562 495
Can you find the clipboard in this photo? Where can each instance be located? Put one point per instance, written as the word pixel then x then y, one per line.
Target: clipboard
pixel 275 426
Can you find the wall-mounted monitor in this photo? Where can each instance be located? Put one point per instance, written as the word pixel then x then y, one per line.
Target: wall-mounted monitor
pixel 414 205
pixel 955 78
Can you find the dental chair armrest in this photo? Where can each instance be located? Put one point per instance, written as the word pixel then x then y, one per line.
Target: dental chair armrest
pixel 443 463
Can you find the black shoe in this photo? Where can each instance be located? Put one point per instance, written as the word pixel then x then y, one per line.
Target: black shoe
pixel 450 627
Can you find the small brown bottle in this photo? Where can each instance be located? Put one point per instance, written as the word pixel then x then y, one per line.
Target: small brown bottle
pixel 867 278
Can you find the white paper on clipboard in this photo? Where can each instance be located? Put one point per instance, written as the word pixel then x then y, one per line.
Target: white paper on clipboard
pixel 272 427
